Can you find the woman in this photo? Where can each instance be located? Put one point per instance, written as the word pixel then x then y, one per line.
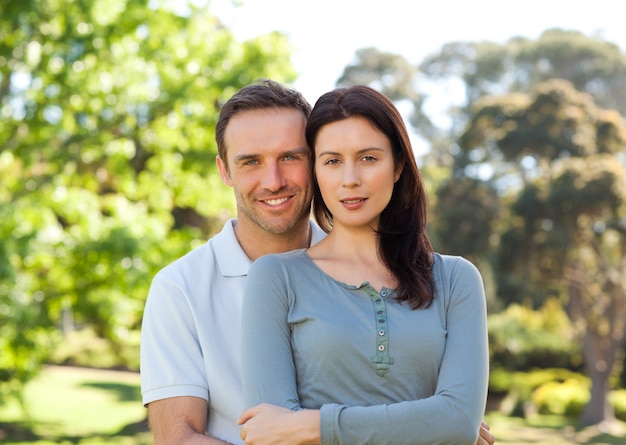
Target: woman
pixel 383 339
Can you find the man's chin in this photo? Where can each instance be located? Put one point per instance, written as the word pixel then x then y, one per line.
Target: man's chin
pixel 282 226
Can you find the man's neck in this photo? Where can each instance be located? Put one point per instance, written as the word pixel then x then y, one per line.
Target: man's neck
pixel 257 242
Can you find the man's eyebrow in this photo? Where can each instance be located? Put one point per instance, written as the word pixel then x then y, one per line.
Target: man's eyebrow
pixel 298 151
pixel 246 157
pixel 252 156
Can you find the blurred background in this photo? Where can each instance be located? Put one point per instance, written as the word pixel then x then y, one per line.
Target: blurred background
pixel 107 173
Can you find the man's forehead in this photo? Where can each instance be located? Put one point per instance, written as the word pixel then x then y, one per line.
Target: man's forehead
pixel 266 114
pixel 265 132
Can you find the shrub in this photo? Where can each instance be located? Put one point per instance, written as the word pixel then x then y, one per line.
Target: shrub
pixel 525 393
pixel 522 338
pixel 618 400
pixel 566 398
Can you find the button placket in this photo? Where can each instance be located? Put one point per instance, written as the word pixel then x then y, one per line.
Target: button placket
pixel 381 360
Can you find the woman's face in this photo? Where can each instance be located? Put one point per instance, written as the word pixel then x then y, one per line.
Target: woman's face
pixel 355 170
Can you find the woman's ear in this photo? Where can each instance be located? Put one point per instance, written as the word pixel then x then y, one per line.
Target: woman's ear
pixel 398 172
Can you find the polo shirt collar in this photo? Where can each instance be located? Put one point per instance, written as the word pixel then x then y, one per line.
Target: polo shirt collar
pixel 232 260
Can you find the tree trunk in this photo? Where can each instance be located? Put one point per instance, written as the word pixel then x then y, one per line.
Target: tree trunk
pixel 599 303
pixel 599 361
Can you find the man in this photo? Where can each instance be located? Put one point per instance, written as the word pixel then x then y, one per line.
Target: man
pixel 190 339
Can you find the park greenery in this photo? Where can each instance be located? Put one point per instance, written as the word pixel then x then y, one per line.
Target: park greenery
pixel 106 404
pixel 107 173
pixel 107 160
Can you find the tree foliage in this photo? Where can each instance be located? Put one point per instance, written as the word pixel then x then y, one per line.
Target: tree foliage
pixel 487 69
pixel 389 73
pixel 484 68
pixel 106 158
pixel 567 233
pixel 553 122
pixel 592 65
pixel 457 198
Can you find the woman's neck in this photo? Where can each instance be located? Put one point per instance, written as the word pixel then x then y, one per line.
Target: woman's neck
pixel 352 257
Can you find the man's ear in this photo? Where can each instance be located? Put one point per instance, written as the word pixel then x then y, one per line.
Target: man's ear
pixel 221 166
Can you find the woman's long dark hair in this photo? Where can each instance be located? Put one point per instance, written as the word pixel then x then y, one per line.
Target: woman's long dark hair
pixel 403 243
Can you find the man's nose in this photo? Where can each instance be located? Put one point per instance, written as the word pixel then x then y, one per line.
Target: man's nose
pixel 274 178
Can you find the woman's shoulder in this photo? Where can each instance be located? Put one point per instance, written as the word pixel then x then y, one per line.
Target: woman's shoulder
pixel 282 260
pixel 454 266
pixel 292 255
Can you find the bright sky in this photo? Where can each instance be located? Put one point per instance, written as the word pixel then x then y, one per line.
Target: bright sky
pixel 326 34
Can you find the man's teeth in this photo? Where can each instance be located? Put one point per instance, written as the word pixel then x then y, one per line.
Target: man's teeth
pixel 275 202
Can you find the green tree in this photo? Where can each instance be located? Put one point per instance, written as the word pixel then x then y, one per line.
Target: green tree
pixel 454 231
pixel 107 158
pixel 484 68
pixel 476 69
pixel 567 232
pixel 395 77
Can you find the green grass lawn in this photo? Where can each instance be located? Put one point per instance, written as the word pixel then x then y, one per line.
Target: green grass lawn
pixel 81 406
pixel 66 405
pixel 551 430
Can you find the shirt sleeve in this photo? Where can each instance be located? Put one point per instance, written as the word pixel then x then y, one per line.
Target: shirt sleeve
pixel 171 356
pixel 453 414
pixel 268 369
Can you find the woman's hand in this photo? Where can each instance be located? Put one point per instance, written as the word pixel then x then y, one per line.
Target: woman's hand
pixel 485 437
pixel 267 424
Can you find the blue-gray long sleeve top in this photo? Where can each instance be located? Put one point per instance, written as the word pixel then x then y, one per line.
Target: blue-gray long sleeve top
pixel 380 372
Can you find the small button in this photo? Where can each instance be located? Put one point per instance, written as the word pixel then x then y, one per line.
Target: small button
pixel 381 348
pixel 384 293
pixel 381 333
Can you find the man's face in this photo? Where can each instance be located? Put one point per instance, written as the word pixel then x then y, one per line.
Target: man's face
pixel 268 167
